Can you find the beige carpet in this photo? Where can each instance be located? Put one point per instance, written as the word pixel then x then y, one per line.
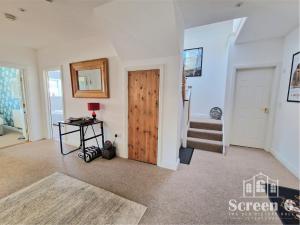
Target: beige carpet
pixel 9 138
pixel 195 194
pixel 60 199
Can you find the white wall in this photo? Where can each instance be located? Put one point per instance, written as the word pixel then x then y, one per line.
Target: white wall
pixel 62 55
pixel 25 58
pixel 260 52
pixel 140 29
pixel 209 90
pixel 286 141
pixel 180 117
pixel 115 107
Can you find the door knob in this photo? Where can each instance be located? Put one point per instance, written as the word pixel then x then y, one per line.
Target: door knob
pixel 266 110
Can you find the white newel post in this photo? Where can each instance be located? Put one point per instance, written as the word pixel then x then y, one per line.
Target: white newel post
pixel 186 116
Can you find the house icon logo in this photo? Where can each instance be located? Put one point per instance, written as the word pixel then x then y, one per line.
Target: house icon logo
pixel 259 186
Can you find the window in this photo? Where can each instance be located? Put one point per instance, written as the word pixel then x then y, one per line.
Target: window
pixel 273 188
pixel 248 188
pixel 192 60
pixel 260 186
pixel 55 88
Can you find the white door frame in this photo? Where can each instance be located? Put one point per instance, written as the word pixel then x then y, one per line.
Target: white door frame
pixel 274 94
pixel 160 113
pixel 24 102
pixel 47 97
pixel 24 88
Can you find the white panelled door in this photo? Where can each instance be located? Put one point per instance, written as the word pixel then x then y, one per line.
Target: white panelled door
pixel 251 107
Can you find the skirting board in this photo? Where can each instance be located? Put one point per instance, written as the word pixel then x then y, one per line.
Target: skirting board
pixel 286 164
pixel 170 166
pixel 282 160
pixel 163 164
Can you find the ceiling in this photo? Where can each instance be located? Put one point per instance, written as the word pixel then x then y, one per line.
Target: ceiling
pixel 43 22
pixel 137 33
pixel 266 18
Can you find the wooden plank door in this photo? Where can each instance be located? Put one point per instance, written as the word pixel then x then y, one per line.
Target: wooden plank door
pixel 143 102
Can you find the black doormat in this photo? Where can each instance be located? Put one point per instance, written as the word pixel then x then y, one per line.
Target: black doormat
pixel 185 155
pixel 288 205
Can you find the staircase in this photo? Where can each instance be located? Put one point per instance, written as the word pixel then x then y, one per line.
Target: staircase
pixel 206 136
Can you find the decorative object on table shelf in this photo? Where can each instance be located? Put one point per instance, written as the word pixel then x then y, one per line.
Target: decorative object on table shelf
pixel 74 119
pixel 109 149
pixel 92 153
pixel 294 85
pixel 216 113
pixel 93 107
pixel 80 119
pixel 90 79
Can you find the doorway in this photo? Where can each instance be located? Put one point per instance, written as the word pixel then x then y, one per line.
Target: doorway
pixel 55 102
pixel 143 115
pixel 13 114
pixel 251 110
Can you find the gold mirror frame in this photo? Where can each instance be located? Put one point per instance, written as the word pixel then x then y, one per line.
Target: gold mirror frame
pixel 101 64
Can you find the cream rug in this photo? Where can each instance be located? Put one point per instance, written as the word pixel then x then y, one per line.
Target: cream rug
pixel 60 199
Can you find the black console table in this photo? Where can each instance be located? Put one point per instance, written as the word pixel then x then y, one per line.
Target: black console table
pixel 82 126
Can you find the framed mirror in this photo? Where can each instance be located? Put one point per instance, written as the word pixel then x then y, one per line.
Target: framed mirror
pixel 90 79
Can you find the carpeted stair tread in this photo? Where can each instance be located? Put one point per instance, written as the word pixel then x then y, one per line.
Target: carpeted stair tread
pixel 204 144
pixel 206 125
pixel 205 141
pixel 206 131
pixel 205 134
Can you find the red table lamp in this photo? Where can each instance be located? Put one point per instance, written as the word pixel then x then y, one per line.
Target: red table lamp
pixel 93 107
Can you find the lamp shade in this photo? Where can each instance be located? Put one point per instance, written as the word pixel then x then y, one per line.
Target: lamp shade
pixel 93 106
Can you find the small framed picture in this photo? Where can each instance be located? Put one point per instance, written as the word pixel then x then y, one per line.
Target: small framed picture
pixel 294 85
